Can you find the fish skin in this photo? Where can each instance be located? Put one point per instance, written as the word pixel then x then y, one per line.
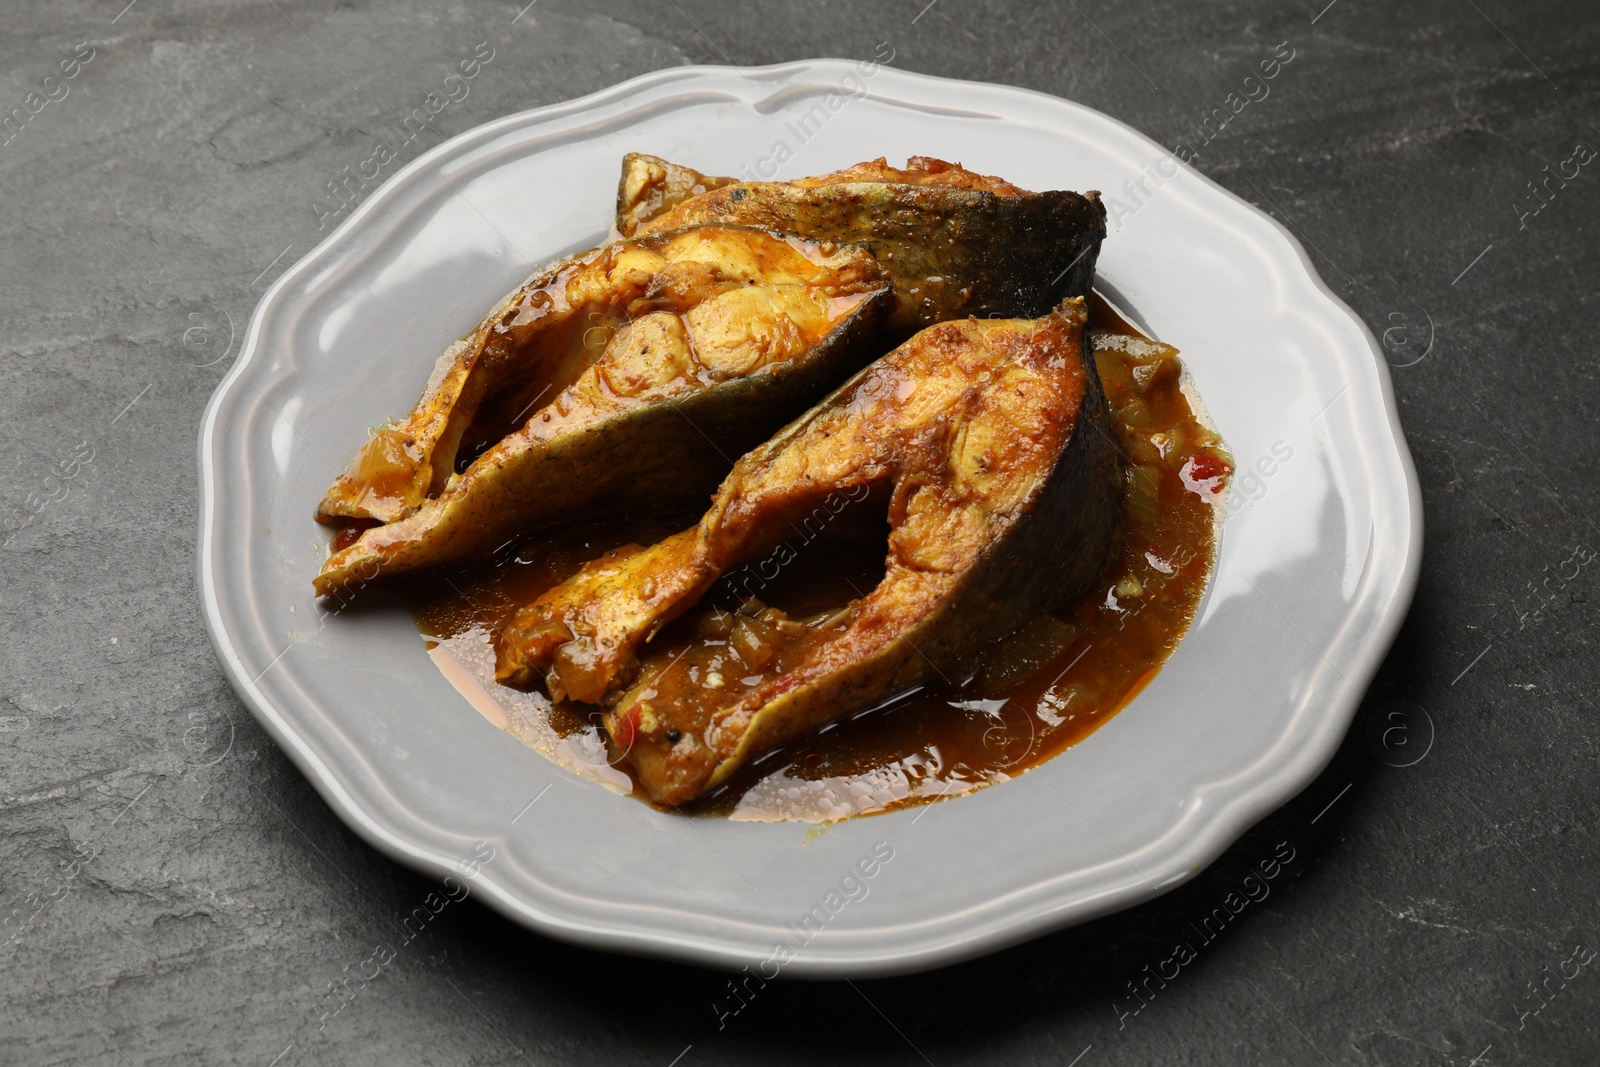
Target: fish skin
pixel 670 447
pixel 954 243
pixel 1006 500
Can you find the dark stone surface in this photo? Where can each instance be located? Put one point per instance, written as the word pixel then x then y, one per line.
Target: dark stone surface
pixel 173 182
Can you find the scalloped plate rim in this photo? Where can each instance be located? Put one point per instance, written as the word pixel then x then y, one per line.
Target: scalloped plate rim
pixel 386 830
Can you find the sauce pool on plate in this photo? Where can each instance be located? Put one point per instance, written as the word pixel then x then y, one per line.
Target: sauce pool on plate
pixel 1022 701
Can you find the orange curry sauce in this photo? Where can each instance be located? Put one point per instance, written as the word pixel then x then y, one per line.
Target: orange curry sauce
pixel 1023 700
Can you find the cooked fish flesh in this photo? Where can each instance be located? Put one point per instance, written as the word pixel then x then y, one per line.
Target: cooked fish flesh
pixel 650 186
pixel 956 243
pixel 991 439
pixel 635 372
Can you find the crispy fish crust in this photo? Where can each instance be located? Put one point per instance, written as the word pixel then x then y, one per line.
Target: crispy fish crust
pixel 637 370
pixel 954 242
pixel 1005 485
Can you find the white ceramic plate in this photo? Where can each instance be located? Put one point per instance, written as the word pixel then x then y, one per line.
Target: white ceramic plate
pixel 1317 564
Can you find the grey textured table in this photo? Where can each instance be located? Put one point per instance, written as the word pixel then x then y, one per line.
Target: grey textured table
pixel 160 903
